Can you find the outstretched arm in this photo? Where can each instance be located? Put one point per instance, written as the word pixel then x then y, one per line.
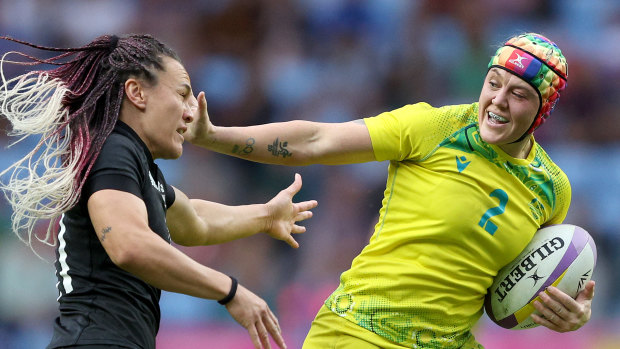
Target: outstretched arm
pixel 120 220
pixel 292 143
pixel 200 222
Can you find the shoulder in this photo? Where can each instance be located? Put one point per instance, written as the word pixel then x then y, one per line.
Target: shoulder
pixel 424 112
pixel 461 109
pixel 560 184
pixel 414 131
pixel 428 121
pixel 121 155
pixel 543 157
pixel 121 143
pixel 120 148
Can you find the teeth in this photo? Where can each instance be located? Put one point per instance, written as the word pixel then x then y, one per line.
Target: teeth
pixel 181 131
pixel 497 117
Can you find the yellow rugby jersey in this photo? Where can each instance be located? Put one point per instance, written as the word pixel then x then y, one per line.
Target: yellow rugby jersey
pixel 455 210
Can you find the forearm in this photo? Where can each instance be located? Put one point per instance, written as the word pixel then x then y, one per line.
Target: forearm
pixel 226 223
pixel 161 265
pixel 286 143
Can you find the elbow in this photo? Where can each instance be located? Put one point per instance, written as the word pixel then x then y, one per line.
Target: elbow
pixel 126 258
pixel 194 233
pixel 123 260
pixel 305 149
pixel 308 154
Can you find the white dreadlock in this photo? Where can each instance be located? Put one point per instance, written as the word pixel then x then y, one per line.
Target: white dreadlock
pixel 39 186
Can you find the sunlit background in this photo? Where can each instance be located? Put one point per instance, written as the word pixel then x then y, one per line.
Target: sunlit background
pixel 332 60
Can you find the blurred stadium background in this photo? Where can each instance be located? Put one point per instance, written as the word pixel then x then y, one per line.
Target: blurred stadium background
pixel 333 60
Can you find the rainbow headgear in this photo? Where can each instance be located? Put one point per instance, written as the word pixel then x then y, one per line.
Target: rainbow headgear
pixel 539 62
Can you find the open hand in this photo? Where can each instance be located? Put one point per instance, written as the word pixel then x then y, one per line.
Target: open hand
pixel 253 313
pixel 198 131
pixel 284 214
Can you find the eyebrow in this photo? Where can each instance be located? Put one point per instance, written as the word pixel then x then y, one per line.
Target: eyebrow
pixel 187 87
pixel 495 72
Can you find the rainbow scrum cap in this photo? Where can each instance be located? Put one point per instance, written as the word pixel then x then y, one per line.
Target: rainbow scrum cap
pixel 538 61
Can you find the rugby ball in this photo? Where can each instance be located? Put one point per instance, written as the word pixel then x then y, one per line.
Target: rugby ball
pixel 561 255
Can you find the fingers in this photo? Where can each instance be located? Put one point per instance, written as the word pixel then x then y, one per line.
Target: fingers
pixel 547 317
pixel 272 325
pixel 274 320
pixel 298 229
pixel 559 312
pixel 263 328
pixel 587 294
pixel 263 334
pixel 202 101
pixel 255 337
pixel 296 186
pixel 203 115
pixel 558 301
pixel 200 107
pixel 554 307
pixel 291 241
pixel 253 313
pixel 543 321
pixel 306 205
pixel 302 216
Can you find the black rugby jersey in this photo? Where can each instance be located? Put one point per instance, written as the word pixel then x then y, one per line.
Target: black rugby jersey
pixel 99 302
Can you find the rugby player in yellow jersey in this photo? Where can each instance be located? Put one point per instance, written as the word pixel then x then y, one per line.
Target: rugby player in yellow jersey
pixel 467 188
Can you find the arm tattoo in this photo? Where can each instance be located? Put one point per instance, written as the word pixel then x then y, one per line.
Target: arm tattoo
pixel 249 147
pixel 278 148
pixel 104 232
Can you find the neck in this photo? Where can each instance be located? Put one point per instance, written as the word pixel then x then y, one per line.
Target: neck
pixel 519 150
pixel 134 123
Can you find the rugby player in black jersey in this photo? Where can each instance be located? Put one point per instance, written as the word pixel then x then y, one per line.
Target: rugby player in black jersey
pixel 106 112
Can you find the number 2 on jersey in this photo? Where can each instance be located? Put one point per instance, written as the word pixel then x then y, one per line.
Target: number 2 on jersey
pixel 485 223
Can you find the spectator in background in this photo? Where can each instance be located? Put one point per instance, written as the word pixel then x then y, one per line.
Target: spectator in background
pixel 421 280
pixel 103 115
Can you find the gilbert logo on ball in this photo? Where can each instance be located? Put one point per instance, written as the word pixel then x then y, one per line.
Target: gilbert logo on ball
pixel 562 255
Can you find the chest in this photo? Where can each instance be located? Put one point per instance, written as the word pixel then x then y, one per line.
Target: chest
pixel 462 199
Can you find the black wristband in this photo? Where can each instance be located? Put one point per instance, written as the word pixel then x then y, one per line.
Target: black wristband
pixel 231 293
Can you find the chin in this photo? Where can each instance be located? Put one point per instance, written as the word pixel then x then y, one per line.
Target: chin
pixel 171 154
pixel 175 155
pixel 488 136
pixel 492 138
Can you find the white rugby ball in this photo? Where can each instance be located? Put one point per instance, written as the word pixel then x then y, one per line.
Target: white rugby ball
pixel 561 255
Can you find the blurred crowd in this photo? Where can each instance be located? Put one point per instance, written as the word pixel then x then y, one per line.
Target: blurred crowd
pixel 260 61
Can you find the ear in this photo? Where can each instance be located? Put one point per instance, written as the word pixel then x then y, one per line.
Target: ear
pixel 134 91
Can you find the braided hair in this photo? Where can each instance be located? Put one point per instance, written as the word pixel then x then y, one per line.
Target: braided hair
pixel 72 109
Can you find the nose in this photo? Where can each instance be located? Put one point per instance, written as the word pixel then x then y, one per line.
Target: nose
pixel 500 98
pixel 188 117
pixel 188 113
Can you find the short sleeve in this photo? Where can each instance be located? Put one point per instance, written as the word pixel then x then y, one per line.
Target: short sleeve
pixel 170 195
pixel 414 131
pixel 563 198
pixel 117 167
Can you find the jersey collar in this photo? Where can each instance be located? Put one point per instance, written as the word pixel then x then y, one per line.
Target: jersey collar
pixel 126 130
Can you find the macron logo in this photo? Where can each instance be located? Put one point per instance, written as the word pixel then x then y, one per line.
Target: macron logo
pixel 461 163
pixel 518 61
